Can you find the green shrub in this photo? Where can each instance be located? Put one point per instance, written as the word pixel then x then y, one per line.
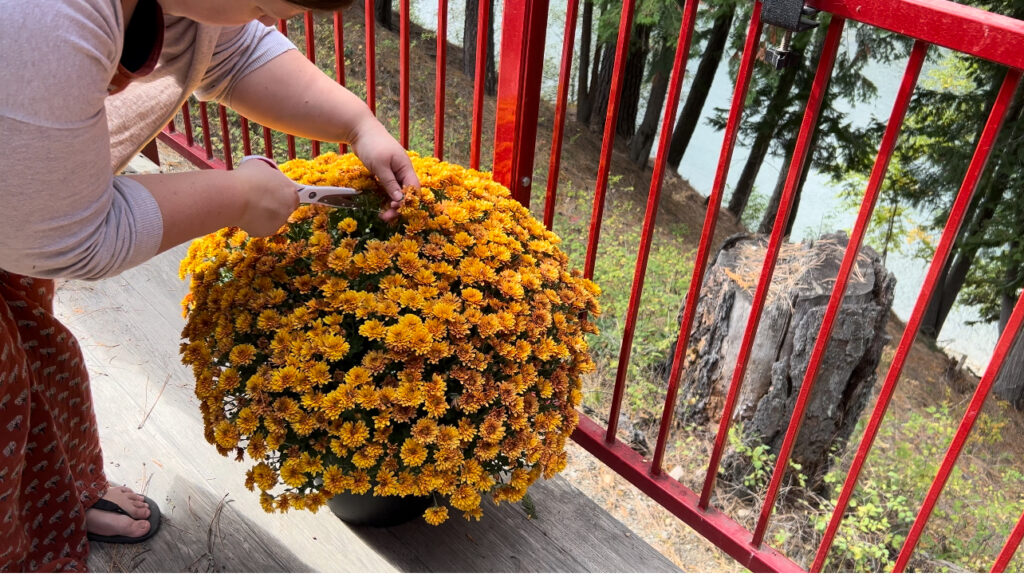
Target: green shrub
pixel 971 520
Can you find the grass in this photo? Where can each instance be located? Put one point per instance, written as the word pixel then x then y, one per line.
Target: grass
pixel 983 497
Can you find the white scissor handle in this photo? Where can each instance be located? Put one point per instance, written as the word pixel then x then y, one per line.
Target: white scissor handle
pixel 334 196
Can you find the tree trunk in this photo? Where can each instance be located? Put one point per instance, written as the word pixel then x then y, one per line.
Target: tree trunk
pixel 1009 385
pixel 584 102
pixel 768 218
pixel 782 348
pixel 600 55
pixel 469 46
pixel 950 282
pixel 980 211
pixel 601 86
pixel 798 193
pixel 762 142
pixel 699 88
pixel 803 88
pixel 382 14
pixel 959 264
pixel 633 81
pixel 642 142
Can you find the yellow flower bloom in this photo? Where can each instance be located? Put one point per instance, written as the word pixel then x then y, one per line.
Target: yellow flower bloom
pixel 334 480
pixel 226 435
pixel 348 225
pixel 354 434
pixel 264 476
pixel 333 347
pixel 465 498
pixel 286 378
pixel 357 376
pixel 368 397
pixel 292 473
pixel 448 437
pixel 345 355
pixel 373 329
pixel 413 453
pixel 242 355
pixel 425 430
pixel 359 482
pixel 247 421
pixel 436 515
pixel 363 459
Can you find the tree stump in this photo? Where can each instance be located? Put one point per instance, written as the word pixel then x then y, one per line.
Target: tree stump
pixel 794 310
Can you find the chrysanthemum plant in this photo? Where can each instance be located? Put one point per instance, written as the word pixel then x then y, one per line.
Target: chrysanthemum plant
pixel 437 355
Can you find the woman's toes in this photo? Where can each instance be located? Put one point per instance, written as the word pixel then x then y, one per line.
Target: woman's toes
pixel 110 524
pixel 137 528
pixel 133 503
pixel 140 511
pixel 124 492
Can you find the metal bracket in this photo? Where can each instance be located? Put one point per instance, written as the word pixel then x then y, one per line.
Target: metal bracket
pixel 791 16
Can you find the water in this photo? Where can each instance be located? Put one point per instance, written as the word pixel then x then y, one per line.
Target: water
pixel 820 209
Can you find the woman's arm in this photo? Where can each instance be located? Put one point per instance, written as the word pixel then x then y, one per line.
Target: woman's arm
pixel 254 197
pixel 291 94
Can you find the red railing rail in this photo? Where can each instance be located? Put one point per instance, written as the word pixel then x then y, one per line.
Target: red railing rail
pixel 521 67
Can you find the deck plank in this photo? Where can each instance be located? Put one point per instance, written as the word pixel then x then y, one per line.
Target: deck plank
pixel 129 328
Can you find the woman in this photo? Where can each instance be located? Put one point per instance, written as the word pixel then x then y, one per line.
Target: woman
pixel 84 85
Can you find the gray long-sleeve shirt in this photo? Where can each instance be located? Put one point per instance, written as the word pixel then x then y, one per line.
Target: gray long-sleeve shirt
pixel 63 213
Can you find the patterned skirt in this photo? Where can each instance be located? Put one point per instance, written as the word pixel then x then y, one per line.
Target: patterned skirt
pixel 51 467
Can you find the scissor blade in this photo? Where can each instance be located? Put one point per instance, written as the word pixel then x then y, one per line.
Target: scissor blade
pixel 336 196
pixel 337 200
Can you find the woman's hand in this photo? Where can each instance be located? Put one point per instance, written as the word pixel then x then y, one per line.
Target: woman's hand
pixel 269 197
pixel 387 160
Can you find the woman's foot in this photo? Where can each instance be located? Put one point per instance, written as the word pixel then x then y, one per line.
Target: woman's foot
pixel 108 523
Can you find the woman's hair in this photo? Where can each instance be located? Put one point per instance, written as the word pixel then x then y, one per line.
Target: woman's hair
pixel 322 4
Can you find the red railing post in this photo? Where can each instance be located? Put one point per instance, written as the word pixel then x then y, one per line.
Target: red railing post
pixel 522 64
pixel 310 31
pixel 604 164
pixel 371 57
pixel 440 76
pixel 403 73
pixel 564 79
pixel 1010 547
pixel 483 19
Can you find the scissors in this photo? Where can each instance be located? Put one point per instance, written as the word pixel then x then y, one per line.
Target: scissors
pixel 333 196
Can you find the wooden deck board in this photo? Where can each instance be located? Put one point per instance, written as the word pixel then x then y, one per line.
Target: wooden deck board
pixel 129 329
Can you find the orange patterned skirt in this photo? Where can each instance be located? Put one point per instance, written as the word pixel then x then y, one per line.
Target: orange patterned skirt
pixel 51 466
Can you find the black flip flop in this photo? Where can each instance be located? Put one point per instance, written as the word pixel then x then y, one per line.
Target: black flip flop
pixel 154 523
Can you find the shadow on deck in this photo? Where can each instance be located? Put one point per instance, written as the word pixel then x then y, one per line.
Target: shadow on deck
pixel 129 329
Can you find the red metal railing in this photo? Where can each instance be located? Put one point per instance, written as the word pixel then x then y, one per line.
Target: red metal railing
pixel 939 22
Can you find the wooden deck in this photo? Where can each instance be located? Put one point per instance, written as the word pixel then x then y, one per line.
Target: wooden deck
pixel 129 328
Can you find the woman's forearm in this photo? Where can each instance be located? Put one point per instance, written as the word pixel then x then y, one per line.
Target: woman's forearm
pixel 254 197
pixel 291 94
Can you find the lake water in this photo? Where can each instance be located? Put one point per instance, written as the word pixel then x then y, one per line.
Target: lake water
pixel 820 209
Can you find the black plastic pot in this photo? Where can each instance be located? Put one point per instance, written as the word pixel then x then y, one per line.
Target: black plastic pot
pixel 367 509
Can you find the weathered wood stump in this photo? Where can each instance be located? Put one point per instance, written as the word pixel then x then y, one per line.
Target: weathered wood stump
pixel 795 307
